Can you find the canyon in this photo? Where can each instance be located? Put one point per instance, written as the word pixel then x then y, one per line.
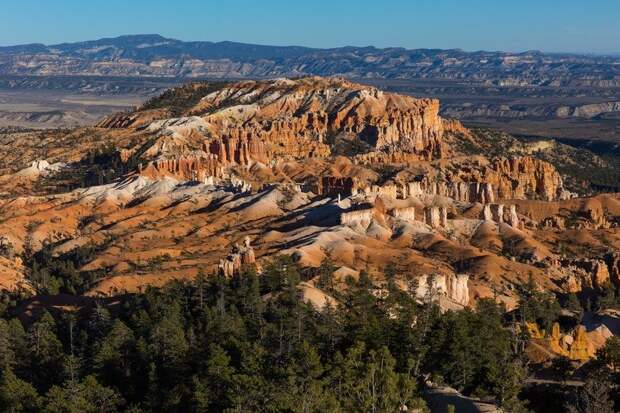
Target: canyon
pixel 213 177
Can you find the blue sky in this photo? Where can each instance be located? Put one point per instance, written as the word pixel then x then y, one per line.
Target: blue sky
pixel 549 25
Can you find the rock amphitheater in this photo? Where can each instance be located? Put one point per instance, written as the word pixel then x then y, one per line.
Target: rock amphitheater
pixel 317 169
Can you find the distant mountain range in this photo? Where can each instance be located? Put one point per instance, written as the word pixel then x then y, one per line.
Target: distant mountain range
pixel 157 56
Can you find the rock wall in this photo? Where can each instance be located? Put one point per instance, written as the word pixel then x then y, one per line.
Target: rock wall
pixel 511 216
pixel 575 346
pixel 390 191
pixel 458 291
pixel 524 178
pixel 460 191
pixel 612 259
pixel 197 168
pixel 239 147
pixel 406 214
pixel 354 218
pixel 514 178
pixel 580 349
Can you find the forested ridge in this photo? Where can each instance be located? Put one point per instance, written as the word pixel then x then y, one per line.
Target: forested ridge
pixel 250 344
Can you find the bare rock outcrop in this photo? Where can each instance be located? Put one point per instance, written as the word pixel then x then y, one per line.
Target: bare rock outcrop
pixel 458 291
pixel 454 287
pixel 524 178
pixel 359 217
pixel 240 147
pixel 406 214
pixel 583 273
pixel 194 168
pixel 580 348
pixel 460 191
pixel 504 178
pixel 240 256
pixel 331 185
pixel 436 217
pixel 499 213
pixel 511 216
pixel 575 346
pixel 390 191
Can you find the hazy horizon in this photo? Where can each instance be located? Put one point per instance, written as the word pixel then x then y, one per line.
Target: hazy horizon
pixel 572 27
pixel 585 53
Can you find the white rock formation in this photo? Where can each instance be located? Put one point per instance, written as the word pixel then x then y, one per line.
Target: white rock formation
pixel 458 291
pixel 498 213
pixel 460 191
pixel 40 168
pixel 454 287
pixel 512 218
pixel 354 218
pixel 406 214
pixel 436 217
pixel 487 215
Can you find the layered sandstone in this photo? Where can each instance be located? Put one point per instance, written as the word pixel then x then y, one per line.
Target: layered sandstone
pixel 436 217
pixel 192 168
pixel 360 217
pixel 406 214
pixel 460 191
pixel 331 185
pixel 524 178
pixel 298 117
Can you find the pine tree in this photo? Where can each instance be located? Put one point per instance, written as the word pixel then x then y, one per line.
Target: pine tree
pixel 7 355
pixel 369 382
pixel 87 396
pixel 17 395
pixel 609 354
pixel 46 353
pixel 114 356
pixel 593 396
pixel 326 274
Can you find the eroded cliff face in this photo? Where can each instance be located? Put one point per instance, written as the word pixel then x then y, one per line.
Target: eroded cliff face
pixel 191 168
pixel 524 177
pixel 300 117
pixel 265 122
pixel 501 179
pixel 245 123
pixel 521 177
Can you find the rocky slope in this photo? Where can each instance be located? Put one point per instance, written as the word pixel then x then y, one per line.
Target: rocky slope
pixel 214 176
